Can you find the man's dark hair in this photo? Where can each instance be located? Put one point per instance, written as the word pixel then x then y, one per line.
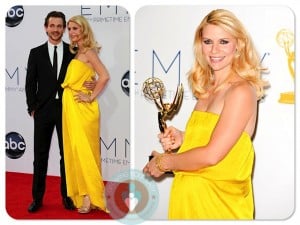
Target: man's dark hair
pixel 56 14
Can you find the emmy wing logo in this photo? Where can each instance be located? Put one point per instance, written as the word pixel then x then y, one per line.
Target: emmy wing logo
pixel 285 39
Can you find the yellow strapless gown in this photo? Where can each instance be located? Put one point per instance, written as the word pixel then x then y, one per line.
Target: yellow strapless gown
pixel 81 138
pixel 223 191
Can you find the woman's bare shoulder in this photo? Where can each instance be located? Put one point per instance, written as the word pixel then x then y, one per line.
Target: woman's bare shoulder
pixel 241 89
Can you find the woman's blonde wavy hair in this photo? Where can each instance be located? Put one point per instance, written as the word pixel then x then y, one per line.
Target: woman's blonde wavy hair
pixel 89 41
pixel 246 62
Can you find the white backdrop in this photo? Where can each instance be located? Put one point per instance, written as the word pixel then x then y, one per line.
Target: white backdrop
pixel 111 26
pixel 164 38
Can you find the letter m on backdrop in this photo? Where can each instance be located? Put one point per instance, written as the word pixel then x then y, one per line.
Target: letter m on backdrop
pixel 166 67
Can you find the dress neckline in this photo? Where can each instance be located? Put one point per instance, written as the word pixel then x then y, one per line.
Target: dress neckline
pixel 204 112
pixel 217 115
pixel 83 63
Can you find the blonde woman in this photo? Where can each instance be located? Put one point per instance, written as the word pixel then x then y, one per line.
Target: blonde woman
pixel 81 119
pixel 213 166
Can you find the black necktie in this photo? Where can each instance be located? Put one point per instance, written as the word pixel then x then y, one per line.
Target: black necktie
pixel 55 61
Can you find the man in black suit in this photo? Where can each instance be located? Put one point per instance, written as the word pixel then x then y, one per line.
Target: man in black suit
pixel 45 72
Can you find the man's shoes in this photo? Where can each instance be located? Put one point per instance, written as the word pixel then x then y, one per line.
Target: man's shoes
pixel 68 203
pixel 34 206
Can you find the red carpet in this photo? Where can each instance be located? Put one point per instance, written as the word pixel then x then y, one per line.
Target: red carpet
pixel 18 198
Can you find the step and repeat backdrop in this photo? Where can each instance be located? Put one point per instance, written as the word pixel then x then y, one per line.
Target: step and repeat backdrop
pixel 164 49
pixel 25 30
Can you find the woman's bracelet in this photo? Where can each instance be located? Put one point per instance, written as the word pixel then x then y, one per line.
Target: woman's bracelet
pixel 158 164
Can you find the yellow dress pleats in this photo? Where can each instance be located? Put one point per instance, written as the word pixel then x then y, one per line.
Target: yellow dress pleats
pixel 81 138
pixel 223 191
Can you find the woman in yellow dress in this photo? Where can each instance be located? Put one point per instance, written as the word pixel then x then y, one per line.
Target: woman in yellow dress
pixel 81 119
pixel 214 164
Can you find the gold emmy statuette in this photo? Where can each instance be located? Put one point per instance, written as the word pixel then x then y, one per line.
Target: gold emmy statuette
pixel 285 39
pixel 154 89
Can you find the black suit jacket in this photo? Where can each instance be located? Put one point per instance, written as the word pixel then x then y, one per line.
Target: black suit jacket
pixel 41 82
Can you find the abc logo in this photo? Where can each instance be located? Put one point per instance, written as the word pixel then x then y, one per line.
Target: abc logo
pixel 15 145
pixel 125 83
pixel 14 16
